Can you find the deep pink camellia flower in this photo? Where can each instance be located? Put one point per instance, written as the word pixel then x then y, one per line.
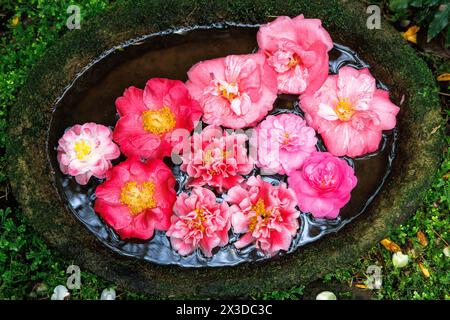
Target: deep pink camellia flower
pixel 86 150
pixel 235 92
pixel 323 184
pixel 264 213
pixel 148 117
pixel 137 198
pixel 283 142
pixel 297 50
pixel 218 159
pixel 199 222
pixel 349 112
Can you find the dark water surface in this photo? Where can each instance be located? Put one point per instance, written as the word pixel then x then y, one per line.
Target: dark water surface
pixel 91 98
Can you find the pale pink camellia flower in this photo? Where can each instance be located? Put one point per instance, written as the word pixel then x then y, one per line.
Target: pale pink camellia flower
pixel 323 184
pixel 218 159
pixel 264 214
pixel 86 150
pixel 283 142
pixel 349 112
pixel 149 117
pixel 235 91
pixel 297 50
pixel 199 222
pixel 137 198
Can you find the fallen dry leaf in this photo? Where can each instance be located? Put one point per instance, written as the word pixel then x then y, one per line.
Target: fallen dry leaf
pixel 422 238
pixel 15 21
pixel 424 270
pixel 444 77
pixel 390 245
pixel 411 34
pixel 361 286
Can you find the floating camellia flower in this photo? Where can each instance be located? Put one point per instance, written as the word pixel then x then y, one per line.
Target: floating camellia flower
pixel 349 112
pixel 264 213
pixel 218 159
pixel 235 91
pixel 297 50
pixel 323 184
pixel 199 222
pixel 86 150
pixel 137 198
pixel 284 141
pixel 148 117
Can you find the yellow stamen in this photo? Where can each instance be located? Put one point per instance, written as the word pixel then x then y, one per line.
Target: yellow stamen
pixel 344 109
pixel 260 209
pixel 198 221
pixel 138 196
pixel 208 155
pixel 158 121
pixel 82 149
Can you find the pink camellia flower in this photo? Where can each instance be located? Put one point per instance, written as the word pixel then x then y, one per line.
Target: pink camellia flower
pixel 349 112
pixel 284 141
pixel 199 222
pixel 86 150
pixel 217 159
pixel 323 184
pixel 297 49
pixel 264 213
pixel 236 91
pixel 148 117
pixel 137 198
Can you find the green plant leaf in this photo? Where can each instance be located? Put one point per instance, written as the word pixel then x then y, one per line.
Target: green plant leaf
pixel 398 5
pixel 439 22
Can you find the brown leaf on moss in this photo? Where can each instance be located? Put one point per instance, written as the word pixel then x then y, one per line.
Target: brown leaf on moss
pixel 422 238
pixel 390 245
pixel 424 270
pixel 411 34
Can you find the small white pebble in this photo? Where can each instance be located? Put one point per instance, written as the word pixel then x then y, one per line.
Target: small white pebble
pixel 60 293
pixel 108 294
pixel 326 295
pixel 446 251
pixel 399 259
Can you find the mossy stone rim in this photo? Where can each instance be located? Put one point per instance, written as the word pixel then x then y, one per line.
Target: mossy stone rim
pixel 395 64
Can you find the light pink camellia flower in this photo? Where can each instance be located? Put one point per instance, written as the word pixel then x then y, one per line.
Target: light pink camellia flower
pixel 86 150
pixel 323 184
pixel 199 222
pixel 284 141
pixel 148 117
pixel 235 92
pixel 349 112
pixel 217 159
pixel 264 213
pixel 297 49
pixel 137 198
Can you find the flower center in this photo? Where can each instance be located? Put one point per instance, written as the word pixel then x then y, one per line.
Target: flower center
pixel 199 220
pixel 82 149
pixel 208 155
pixel 344 109
pixel 228 90
pixel 294 61
pixel 260 209
pixel 158 121
pixel 138 196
